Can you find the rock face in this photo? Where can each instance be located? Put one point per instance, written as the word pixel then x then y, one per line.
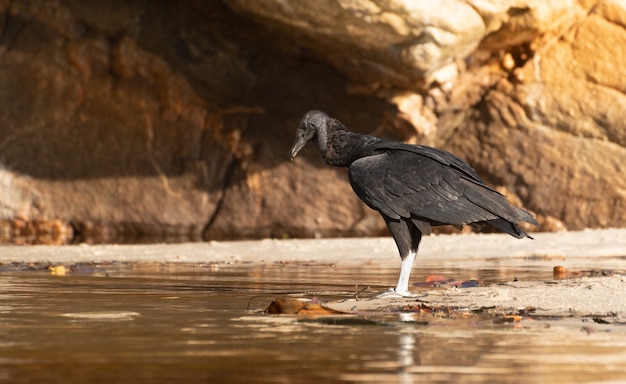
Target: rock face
pixel 123 120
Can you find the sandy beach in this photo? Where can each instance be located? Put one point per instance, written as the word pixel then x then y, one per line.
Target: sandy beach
pixel 592 294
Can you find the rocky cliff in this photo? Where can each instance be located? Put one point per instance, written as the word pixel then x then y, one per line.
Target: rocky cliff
pixel 123 120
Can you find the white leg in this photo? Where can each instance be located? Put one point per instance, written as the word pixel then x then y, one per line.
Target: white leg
pixel 402 288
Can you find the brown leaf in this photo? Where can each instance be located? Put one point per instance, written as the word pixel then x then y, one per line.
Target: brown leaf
pixel 291 306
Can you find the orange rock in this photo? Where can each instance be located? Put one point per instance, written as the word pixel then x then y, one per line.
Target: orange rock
pixel 560 272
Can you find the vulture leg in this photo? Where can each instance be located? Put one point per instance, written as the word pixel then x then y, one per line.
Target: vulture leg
pixel 407 237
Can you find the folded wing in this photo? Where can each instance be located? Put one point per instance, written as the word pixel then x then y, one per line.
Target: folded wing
pixel 431 188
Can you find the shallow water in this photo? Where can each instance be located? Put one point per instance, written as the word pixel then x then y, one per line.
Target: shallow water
pixel 181 323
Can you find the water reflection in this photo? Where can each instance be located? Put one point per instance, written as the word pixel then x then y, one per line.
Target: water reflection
pixel 406 350
pixel 163 324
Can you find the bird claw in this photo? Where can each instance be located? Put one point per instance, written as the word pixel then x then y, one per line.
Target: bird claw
pixel 393 292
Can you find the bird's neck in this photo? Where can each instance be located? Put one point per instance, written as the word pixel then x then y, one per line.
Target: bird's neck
pixel 321 139
pixel 342 147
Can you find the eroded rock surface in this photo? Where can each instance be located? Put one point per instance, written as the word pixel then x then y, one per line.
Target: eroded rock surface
pixel 174 119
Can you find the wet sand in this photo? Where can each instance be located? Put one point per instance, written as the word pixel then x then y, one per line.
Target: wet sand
pixel 599 294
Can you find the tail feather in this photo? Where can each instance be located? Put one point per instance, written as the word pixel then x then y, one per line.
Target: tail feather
pixel 526 216
pixel 506 226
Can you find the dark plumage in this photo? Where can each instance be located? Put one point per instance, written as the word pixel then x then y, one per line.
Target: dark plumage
pixel 413 187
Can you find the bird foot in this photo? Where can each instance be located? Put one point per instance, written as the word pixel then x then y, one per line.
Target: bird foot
pixel 393 292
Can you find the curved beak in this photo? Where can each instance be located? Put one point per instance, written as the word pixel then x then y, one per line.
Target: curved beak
pixel 296 147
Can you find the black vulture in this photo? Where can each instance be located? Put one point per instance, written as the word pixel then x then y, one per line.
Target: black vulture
pixel 413 187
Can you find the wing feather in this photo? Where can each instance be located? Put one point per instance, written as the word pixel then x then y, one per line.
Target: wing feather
pixel 406 184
